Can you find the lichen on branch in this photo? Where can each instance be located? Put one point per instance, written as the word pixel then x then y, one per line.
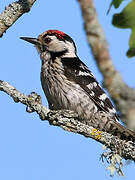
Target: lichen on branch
pixel 68 120
pixel 12 12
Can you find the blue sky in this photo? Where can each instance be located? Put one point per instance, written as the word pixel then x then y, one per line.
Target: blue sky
pixel 29 148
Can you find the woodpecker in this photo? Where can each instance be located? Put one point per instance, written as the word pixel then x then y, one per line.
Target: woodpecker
pixel 69 84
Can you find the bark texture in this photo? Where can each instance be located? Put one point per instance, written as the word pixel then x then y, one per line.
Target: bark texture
pixel 12 12
pixel 68 121
pixel 123 96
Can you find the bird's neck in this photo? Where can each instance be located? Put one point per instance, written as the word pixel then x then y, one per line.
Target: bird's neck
pixel 47 56
pixel 63 54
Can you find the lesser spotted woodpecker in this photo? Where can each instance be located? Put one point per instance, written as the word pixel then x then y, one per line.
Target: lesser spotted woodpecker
pixel 69 84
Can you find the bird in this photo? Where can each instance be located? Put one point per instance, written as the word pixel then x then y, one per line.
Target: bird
pixel 69 84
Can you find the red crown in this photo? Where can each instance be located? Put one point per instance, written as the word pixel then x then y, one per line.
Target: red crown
pixel 57 33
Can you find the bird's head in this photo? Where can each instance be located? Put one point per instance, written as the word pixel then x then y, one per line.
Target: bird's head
pixel 54 41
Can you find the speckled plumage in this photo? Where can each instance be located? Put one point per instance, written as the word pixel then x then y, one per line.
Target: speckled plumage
pixel 69 84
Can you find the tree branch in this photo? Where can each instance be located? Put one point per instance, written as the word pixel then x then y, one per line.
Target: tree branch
pixel 68 121
pixel 123 96
pixel 13 12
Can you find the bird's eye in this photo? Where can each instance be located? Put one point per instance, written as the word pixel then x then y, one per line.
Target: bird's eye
pixel 47 40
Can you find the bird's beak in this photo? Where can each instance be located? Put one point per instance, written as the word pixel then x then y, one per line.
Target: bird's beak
pixel 31 40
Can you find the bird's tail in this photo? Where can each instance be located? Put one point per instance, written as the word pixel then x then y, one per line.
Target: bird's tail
pixel 102 121
pixel 122 132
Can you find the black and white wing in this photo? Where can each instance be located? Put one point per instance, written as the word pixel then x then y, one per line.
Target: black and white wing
pixel 76 70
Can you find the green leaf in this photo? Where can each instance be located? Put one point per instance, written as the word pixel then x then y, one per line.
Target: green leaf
pixel 126 19
pixel 115 3
pixel 131 51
